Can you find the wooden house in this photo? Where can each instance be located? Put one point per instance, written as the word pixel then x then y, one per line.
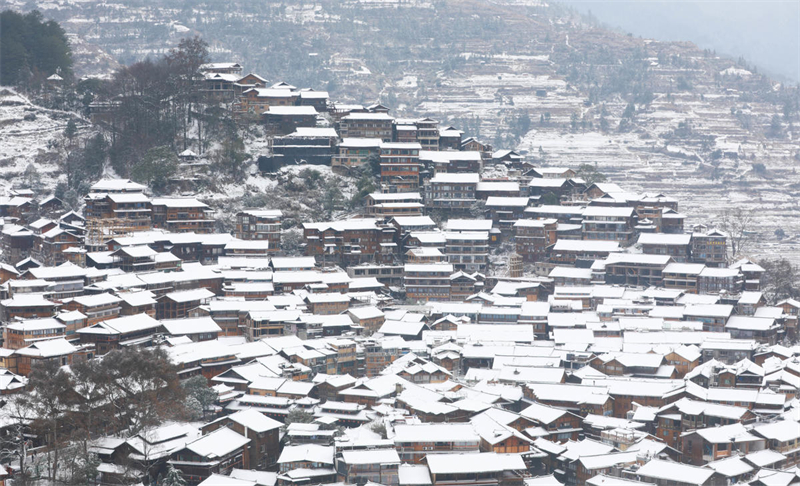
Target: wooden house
pixel 263 449
pixel 218 452
pixel 175 305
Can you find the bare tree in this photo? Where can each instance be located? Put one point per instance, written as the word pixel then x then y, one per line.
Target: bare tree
pixel 51 398
pixel 738 223
pixel 14 443
pixel 780 280
pixel 90 385
pixel 143 385
pixel 184 63
pixel 128 390
pixel 142 390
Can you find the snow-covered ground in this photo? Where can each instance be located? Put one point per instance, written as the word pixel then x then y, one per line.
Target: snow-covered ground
pixel 30 134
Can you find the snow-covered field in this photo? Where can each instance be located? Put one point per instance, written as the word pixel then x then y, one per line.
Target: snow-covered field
pixel 30 134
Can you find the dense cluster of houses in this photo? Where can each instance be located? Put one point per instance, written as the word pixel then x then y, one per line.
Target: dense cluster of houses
pixel 469 328
pixel 611 348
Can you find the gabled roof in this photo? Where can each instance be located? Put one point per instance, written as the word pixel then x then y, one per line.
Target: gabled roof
pixel 189 295
pixel 179 202
pixel 30 325
pixel 194 325
pixel 94 300
pixel 122 325
pixel 251 75
pixel 117 185
pixel 47 349
pixel 664 239
pixel 218 444
pixel 455 178
pixel 413 475
pixel 466 463
pixel 371 456
pixel 260 478
pixel 303 110
pixel 673 471
pixel 307 452
pixel 542 414
pixel 253 420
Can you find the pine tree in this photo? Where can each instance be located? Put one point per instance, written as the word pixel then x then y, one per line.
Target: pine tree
pixel 173 478
pixel 197 389
pixel 374 163
pixel 155 168
pixel 71 130
pixel 32 48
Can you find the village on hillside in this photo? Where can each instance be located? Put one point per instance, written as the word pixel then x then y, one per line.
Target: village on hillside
pixel 480 320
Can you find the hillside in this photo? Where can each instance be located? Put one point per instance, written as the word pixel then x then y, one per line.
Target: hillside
pixel 31 136
pixel 655 116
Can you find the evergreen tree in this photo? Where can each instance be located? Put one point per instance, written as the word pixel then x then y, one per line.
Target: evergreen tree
pixel 365 186
pixel 775 127
pixel 603 124
pixel 298 416
pixel 590 174
pixel 331 198
pixel 86 164
pixel 173 478
pixel 630 111
pixel 197 388
pixel 71 130
pixel 374 163
pixel 155 168
pixel 31 49
pixel 229 159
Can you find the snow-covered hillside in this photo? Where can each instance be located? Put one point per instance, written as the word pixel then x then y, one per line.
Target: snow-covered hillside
pixel 30 134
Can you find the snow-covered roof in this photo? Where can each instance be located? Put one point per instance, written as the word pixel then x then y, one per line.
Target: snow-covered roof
pixel 218 443
pixel 314 132
pixel 428 268
pixel 368 312
pixel 606 211
pixel 350 142
pixel 117 185
pixel 307 452
pixel 344 225
pixel 503 201
pixel 455 178
pixel 368 116
pixel 371 456
pixel 303 110
pixel 47 349
pixel 179 202
pixel 122 325
pixel 192 325
pixel 673 471
pixel 30 325
pixel 664 239
pixel 432 432
pixel 95 300
pixel 466 463
pixel 587 246
pixel 413 475
pixel 189 295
